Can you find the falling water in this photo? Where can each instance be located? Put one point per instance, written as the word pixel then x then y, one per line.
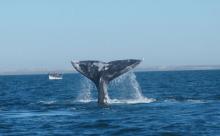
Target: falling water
pixel 86 87
pixel 124 89
pixel 128 90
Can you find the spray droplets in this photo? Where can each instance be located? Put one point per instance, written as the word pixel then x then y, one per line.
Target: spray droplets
pixel 84 94
pixel 124 89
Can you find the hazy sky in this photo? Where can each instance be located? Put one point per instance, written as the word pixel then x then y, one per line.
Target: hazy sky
pixel 48 34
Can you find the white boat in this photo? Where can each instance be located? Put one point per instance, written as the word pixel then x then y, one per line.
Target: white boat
pixel 55 76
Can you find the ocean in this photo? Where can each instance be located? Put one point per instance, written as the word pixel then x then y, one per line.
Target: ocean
pixel 171 103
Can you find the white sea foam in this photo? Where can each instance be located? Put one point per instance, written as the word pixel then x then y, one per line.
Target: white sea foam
pixel 196 101
pixel 47 102
pixel 131 101
pixel 86 101
pixel 122 101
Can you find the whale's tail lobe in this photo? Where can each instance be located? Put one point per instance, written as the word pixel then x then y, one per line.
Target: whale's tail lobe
pixel 102 73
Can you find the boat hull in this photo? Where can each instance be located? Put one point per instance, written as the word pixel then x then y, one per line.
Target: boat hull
pixel 55 78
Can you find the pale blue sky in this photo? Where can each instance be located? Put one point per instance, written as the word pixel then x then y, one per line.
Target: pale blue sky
pixel 37 34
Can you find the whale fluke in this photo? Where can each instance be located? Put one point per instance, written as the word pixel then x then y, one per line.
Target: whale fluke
pixel 101 73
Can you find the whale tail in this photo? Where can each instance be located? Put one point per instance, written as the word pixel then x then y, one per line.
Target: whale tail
pixel 101 73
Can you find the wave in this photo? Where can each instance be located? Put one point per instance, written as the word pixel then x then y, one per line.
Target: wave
pixel 131 101
pixel 47 102
pixel 121 101
pixel 195 101
pixel 25 114
pixel 85 100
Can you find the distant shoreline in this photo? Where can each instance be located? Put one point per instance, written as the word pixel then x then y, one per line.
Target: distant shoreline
pixel 149 69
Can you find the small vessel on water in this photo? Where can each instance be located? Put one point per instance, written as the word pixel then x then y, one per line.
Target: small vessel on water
pixel 55 76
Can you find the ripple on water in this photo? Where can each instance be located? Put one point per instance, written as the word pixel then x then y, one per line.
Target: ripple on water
pixel 29 114
pixel 128 131
pixel 32 105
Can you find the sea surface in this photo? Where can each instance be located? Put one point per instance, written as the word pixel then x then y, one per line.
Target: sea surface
pixel 178 103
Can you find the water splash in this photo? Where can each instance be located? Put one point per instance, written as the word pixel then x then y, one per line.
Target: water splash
pixel 124 89
pixel 84 94
pixel 128 90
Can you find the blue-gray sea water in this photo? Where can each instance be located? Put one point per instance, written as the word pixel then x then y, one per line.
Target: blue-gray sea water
pixel 180 103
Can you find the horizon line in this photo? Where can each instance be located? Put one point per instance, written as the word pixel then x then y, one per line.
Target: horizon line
pixel 140 69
